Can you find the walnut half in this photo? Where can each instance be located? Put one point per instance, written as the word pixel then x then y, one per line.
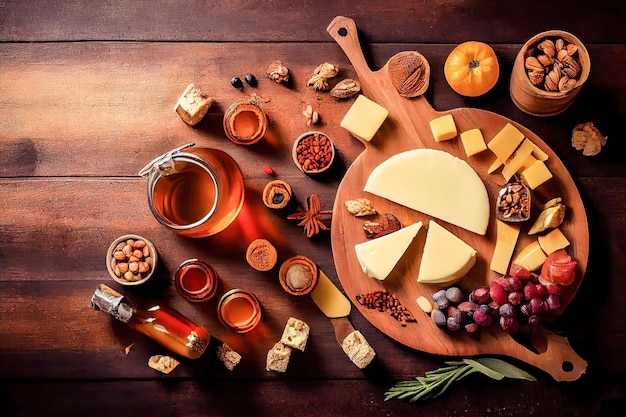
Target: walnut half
pixel 587 137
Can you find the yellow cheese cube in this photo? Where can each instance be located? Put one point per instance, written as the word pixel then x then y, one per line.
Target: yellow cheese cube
pixel 536 174
pixel 517 160
pixel 506 238
pixel 528 162
pixel 531 257
pixel 553 241
pixel 443 128
pixel 538 153
pixel 505 142
pixel 364 118
pixel 473 142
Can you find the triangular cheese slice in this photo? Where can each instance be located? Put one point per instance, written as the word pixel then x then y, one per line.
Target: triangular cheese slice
pixel 446 258
pixel 436 183
pixel 379 256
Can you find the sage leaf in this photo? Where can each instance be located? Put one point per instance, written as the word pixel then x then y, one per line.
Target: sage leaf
pixel 484 369
pixel 506 369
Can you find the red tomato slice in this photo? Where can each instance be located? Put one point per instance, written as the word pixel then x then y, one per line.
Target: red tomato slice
pixel 559 268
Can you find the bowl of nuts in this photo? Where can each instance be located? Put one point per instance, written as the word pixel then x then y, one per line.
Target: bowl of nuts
pixel 549 72
pixel 131 260
pixel 313 152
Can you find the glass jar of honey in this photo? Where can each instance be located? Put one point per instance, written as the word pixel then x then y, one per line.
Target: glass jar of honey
pixel 195 192
pixel 239 310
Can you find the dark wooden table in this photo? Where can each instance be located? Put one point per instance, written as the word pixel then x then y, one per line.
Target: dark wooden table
pixel 86 97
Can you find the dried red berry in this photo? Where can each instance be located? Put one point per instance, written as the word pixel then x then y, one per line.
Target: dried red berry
pixel 268 170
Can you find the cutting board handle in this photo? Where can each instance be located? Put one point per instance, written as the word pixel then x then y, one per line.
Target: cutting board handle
pixel 343 31
pixel 556 357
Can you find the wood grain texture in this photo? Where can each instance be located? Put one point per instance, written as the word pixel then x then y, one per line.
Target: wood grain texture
pixel 284 20
pixel 86 97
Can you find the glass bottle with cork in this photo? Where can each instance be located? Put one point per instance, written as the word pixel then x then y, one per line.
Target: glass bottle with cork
pixel 161 323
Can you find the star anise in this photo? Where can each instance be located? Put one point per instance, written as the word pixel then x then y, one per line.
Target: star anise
pixel 313 219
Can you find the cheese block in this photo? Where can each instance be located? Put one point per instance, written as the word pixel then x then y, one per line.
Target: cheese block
pixel 443 128
pixel 435 183
pixel 379 256
pixel 538 153
pixel 505 142
pixel 473 142
pixel 364 118
pixel 517 160
pixel 494 165
pixel 506 239
pixel 536 174
pixel 553 241
pixel 531 257
pixel 446 258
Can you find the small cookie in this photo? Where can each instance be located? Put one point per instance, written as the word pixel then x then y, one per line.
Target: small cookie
pixel 296 334
pixel 278 358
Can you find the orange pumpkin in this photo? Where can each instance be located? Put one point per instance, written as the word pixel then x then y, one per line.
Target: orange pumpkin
pixel 472 69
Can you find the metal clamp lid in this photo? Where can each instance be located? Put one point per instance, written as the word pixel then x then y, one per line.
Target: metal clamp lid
pixel 163 163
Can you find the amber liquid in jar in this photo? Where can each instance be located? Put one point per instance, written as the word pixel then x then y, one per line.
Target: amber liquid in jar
pixel 239 310
pixel 195 280
pixel 202 196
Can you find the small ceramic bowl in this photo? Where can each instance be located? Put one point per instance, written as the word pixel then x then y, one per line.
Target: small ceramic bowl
pixel 313 152
pixel 128 262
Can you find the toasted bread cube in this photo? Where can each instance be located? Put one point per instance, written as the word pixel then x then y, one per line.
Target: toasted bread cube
pixel 278 358
pixel 358 349
pixel 296 334
pixel 192 105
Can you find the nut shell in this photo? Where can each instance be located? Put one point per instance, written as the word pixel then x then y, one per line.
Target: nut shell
pixel 410 73
pixel 294 278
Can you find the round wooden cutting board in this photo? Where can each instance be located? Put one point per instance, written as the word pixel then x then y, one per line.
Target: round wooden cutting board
pixel 407 127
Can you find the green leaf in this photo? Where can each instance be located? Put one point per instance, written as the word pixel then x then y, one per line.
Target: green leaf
pixel 484 369
pixel 506 369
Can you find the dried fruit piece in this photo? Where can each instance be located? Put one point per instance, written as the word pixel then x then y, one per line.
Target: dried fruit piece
pixel 389 225
pixel 549 218
pixel 360 207
pixel 587 137
pixel 559 268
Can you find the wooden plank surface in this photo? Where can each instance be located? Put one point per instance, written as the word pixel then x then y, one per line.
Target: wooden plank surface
pixel 86 96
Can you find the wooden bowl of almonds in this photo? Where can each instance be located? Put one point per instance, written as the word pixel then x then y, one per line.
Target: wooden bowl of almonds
pixel 549 72
pixel 131 260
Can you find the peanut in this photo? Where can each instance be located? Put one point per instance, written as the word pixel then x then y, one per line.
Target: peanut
pixel 131 260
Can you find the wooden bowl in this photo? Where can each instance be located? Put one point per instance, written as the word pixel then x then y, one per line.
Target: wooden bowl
pixel 152 260
pixel 538 102
pixel 296 153
pixel 305 283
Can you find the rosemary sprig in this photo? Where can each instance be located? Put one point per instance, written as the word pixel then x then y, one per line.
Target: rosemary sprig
pixel 436 382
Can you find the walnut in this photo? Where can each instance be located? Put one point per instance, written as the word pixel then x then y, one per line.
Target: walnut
pixel 551 82
pixel 571 67
pixel 360 207
pixel 321 74
pixel 547 47
pixel 375 230
pixel 277 72
pixel 587 137
pixel 566 83
pixel 533 64
pixel 346 88
pixel 536 77
pixel 545 60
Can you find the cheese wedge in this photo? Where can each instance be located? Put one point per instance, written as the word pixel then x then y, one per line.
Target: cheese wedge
pixel 378 257
pixel 505 142
pixel 446 258
pixel 506 239
pixel 513 165
pixel 435 183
